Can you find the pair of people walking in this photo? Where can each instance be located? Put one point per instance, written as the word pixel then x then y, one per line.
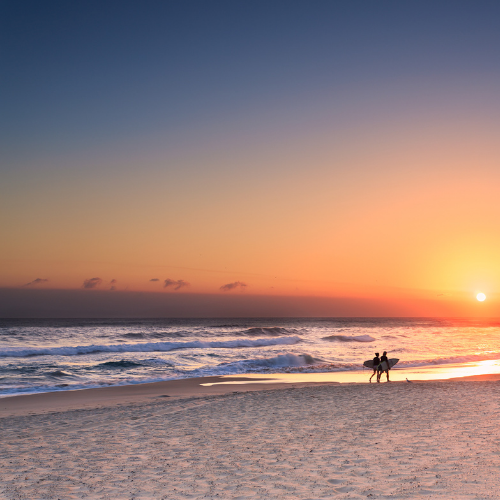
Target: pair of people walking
pixel 380 365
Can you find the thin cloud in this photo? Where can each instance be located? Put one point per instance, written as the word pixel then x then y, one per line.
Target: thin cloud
pixel 38 281
pixel 232 286
pixel 177 284
pixel 92 282
pixel 113 282
pixel 154 279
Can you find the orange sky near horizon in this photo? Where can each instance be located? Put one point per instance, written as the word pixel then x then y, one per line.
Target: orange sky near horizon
pixel 329 219
pixel 364 165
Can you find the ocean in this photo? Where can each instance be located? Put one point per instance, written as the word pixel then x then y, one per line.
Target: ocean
pixel 65 354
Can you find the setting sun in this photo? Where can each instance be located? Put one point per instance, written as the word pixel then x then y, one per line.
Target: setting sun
pixel 481 297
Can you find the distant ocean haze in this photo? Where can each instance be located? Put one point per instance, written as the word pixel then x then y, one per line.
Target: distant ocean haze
pixel 238 299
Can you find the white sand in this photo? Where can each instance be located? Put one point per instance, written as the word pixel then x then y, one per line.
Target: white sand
pixel 419 440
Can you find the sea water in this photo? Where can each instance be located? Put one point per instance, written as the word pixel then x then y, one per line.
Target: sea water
pixel 57 355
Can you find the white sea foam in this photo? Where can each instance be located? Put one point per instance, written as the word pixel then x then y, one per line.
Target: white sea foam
pixel 91 384
pixel 145 347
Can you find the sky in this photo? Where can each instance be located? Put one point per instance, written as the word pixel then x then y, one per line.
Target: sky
pixel 326 158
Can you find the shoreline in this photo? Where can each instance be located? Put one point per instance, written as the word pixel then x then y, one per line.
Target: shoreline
pixel 136 394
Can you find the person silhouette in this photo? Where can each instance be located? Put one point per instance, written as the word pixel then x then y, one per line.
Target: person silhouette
pixel 376 362
pixel 384 366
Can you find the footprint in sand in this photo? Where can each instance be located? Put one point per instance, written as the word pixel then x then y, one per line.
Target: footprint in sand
pixel 335 481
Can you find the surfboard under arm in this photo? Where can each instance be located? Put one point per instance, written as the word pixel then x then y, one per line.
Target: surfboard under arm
pixel 369 363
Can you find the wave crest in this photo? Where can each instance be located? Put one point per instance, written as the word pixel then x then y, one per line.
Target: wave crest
pixel 59 373
pixel 118 364
pixel 144 347
pixel 281 362
pixel 348 338
pixel 272 331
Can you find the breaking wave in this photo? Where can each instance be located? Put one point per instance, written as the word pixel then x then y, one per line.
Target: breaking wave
pixel 282 362
pixel 144 347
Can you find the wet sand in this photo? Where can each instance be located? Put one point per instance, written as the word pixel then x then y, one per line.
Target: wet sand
pixel 305 440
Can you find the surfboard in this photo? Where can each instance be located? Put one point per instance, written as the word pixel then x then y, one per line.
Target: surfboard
pixel 369 363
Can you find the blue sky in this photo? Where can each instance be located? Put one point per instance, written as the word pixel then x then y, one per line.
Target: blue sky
pixel 80 75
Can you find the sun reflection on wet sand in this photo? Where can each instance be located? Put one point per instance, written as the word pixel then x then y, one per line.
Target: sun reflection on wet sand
pixel 443 372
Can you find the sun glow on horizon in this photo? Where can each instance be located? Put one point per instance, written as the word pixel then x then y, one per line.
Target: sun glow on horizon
pixel 481 297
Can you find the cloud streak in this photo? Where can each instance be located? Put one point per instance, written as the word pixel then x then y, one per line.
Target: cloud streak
pixel 177 284
pixel 37 281
pixel 92 283
pixel 154 279
pixel 232 286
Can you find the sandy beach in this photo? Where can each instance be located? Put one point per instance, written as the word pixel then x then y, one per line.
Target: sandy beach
pixel 184 440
